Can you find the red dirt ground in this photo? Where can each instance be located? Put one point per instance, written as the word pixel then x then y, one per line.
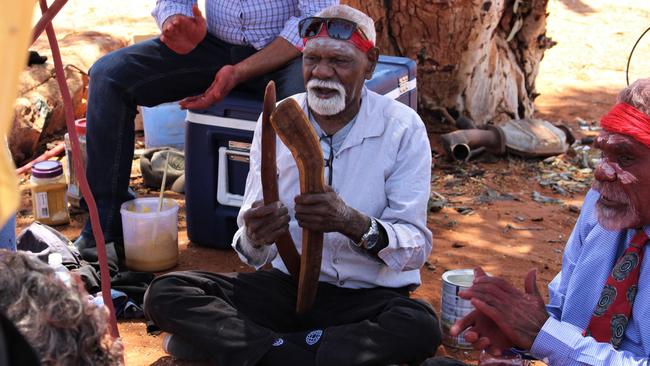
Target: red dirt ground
pixel 578 80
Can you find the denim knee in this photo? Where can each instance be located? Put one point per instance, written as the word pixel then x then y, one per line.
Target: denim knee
pixel 107 68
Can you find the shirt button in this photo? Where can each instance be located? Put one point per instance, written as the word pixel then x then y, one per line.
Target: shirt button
pixel 336 260
pixel 341 283
pixel 243 28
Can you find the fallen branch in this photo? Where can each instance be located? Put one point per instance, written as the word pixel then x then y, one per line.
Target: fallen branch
pixel 56 151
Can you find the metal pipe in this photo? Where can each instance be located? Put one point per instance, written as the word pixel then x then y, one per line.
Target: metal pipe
pixel 461 145
pixel 55 151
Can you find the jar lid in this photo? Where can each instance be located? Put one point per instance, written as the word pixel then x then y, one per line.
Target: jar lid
pixel 47 169
pixel 80 126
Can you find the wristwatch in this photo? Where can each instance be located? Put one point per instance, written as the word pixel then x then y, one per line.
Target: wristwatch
pixel 370 237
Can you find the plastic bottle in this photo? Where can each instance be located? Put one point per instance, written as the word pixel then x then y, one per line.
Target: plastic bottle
pixel 74 193
pixel 55 260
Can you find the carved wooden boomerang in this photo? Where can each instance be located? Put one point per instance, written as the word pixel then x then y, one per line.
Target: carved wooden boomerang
pixel 295 131
pixel 285 245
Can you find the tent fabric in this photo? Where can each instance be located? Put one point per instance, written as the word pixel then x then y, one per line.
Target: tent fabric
pixel 15 37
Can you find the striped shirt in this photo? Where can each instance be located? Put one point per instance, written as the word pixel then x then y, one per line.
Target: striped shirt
pixel 589 257
pixel 247 22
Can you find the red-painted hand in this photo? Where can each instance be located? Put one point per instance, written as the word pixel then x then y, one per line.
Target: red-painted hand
pixel 225 80
pixel 182 33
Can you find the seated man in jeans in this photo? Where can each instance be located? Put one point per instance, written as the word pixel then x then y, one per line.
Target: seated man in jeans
pixel 242 44
pixel 373 216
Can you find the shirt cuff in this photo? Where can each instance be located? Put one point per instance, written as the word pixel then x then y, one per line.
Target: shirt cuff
pixel 256 257
pixel 556 340
pixel 391 254
pixel 164 10
pixel 290 32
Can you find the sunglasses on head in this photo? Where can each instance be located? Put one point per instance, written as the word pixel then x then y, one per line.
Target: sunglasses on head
pixel 337 28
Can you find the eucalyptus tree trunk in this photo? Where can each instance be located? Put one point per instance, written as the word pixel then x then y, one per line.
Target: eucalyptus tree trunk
pixel 476 58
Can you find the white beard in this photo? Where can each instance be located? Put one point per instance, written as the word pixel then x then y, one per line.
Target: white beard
pixel 618 218
pixel 329 106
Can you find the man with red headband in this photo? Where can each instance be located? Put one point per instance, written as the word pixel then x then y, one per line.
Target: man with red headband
pixel 600 300
pixel 373 216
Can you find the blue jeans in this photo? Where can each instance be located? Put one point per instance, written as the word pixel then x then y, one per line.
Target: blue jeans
pixel 148 74
pixel 8 234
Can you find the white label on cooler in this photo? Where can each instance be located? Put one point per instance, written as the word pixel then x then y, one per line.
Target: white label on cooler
pixel 42 208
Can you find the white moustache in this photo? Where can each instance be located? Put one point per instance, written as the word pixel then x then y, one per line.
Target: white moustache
pixel 612 191
pixel 326 106
pixel 326 84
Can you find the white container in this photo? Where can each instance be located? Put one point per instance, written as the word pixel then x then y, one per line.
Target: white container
pixel 150 238
pixel 164 125
pixel 453 307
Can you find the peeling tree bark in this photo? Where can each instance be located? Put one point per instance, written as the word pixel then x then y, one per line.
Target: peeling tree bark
pixel 465 63
pixel 38 109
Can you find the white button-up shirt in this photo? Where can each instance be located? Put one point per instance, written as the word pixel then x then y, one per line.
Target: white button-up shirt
pixel 383 169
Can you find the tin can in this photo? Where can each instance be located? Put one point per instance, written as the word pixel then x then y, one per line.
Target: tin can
pixel 453 307
pixel 506 358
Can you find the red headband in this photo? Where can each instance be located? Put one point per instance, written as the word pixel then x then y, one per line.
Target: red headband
pixel 627 120
pixel 357 41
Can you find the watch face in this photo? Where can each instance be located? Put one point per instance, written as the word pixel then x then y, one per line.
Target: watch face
pixel 370 237
pixel 372 240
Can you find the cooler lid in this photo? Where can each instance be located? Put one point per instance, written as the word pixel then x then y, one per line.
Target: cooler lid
pixel 393 76
pixel 236 105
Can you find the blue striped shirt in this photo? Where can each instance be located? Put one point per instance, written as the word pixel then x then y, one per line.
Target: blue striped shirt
pixel 247 22
pixel 589 257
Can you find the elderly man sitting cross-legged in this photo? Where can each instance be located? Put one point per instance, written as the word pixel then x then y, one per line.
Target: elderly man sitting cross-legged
pixel 600 301
pixel 373 214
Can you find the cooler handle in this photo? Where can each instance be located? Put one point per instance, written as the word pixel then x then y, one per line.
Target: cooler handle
pixel 223 196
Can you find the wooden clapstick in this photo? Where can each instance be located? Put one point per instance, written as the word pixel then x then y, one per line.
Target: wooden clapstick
pixel 286 247
pixel 295 131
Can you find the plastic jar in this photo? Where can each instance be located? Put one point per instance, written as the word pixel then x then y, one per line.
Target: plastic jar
pixel 150 235
pixel 48 188
pixel 74 192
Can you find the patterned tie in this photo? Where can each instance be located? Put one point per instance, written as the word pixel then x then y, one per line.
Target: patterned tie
pixel 614 307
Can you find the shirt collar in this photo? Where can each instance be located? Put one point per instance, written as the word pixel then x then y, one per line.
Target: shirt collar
pixel 370 121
